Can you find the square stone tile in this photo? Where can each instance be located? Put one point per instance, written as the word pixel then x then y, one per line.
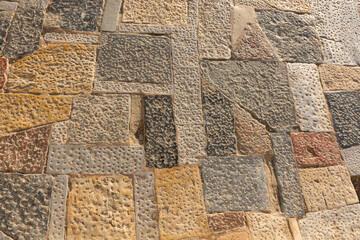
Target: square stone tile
pixel 351 158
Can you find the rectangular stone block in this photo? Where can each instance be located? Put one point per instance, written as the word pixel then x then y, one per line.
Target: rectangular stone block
pixel 336 53
pixel 124 87
pixel 227 220
pixel 351 158
pixel 3 70
pixel 337 77
pixel 5 23
pixel 191 143
pixel 298 6
pixel 59 133
pixel 184 47
pixel 110 16
pixel 71 38
pixel 8 6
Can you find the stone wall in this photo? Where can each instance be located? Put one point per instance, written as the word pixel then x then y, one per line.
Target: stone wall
pixel 181 119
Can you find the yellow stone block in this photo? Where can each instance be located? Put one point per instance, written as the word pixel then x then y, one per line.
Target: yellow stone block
pixel 22 111
pixel 60 69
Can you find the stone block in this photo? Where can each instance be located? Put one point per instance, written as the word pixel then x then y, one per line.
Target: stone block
pixel 33 4
pixel 71 38
pixel 337 77
pixel 238 235
pixel 226 221
pixel 351 158
pixel 191 143
pixel 3 70
pixel 356 182
pixel 126 87
pixel 136 128
pixel 5 23
pixel 59 133
pixel 336 53
pixel 257 4
pixel 109 211
pixel 299 6
pixel 184 47
pixel 234 183
pixel 110 16
pixel 8 6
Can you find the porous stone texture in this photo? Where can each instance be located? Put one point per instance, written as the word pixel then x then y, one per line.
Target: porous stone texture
pixel 184 47
pixel 336 53
pixel 58 69
pixel 311 109
pixel 71 38
pixel 160 132
pixel 180 202
pixel 315 149
pixel 5 22
pixel 225 221
pixel 293 36
pixel 100 119
pixel 341 223
pixel 257 4
pixel 8 6
pixel 3 70
pixel 25 151
pixel 219 122
pixel 337 77
pixel 292 202
pixel 327 188
pixel 22 111
pixel 351 158
pixel 234 183
pixel 81 15
pixel 25 205
pixel 59 133
pixel 111 13
pixel 252 85
pixel 300 6
pixel 112 196
pixel 125 87
pixel 345 111
pixel 191 143
pixel 70 159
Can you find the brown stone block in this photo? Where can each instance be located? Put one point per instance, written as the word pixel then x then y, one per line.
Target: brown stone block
pixel 226 221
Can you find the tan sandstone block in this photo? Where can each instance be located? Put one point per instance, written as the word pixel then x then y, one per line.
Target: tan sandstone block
pixel 234 236
pixel 337 77
pixel 300 6
pixel 242 15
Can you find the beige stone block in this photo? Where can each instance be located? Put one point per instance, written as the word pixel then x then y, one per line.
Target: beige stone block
pixel 126 87
pixel 59 133
pixel 234 236
pixel 299 6
pixel 337 77
pixel 242 16
pixel 71 37
pixel 191 143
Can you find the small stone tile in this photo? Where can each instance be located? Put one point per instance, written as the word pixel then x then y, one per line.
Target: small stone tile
pixel 234 183
pixel 184 48
pixel 72 159
pixel 5 23
pixel 191 143
pixel 351 158
pixel 257 4
pixel 193 13
pixel 160 132
pixel 71 38
pixel 337 77
pixel 3 70
pixel 59 133
pixel 8 6
pixel 226 221
pixel 315 149
pixel 336 53
pixel 299 6
pixel 110 16
pixel 241 17
pixel 125 87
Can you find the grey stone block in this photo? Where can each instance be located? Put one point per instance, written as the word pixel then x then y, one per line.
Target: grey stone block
pixel 351 157
pixel 110 17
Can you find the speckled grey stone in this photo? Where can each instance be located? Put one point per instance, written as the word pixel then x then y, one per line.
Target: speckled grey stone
pixel 5 21
pixel 8 6
pixel 351 158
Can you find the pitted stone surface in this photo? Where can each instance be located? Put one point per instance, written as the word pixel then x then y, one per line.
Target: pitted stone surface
pixel 234 183
pixel 252 85
pixel 25 205
pixel 146 212
pixel 160 133
pixel 219 122
pixel 5 22
pixel 191 143
pixel 300 6
pixel 71 38
pixel 315 149
pixel 225 221
pixel 59 69
pixel 342 223
pixel 134 58
pixel 327 188
pixel 33 4
pixel 83 15
pixel 184 47
pixel 111 14
pixel 125 87
pixel 3 70
pixel 72 159
pixel 337 77
pixel 59 133
pixel 109 211
pixel 336 53
pixel 180 201
pixel 351 158
pixel 293 36
pixel 25 151
pixel 8 6
pixel 345 111
pixel 22 111
pixel 292 202
pixel 100 119
pixel 311 109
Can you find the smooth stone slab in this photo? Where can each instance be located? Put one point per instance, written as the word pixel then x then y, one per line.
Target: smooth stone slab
pixel 110 16
pixel 191 143
pixel 351 158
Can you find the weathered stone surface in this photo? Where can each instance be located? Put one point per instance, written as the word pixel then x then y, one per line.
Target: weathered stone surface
pixel 252 85
pixel 234 236
pixel 293 36
pixel 351 157
pixel 345 111
pixel 72 159
pixel 22 111
pixel 215 29
pixel 337 77
pixel 180 201
pixel 8 6
pixel 100 119
pixel 110 16
pixel 134 58
pixel 25 204
pixel 3 70
pixel 81 15
pixel 241 17
pixel 25 151
pixel 160 132
pixel 136 128
pixel 60 69
pixel 191 143
pixel 327 188
pixel 71 38
pixel 234 183
pixel 225 221
pixel 146 212
pixel 292 202
pixel 4 237
pixel 126 87
pixel 33 4
pixel 109 211
pixel 59 133
pixel 336 53
pixel 184 47
pixel 315 149
pixel 342 223
pixel 219 122
pixel 300 6
pixel 257 4
pixel 5 22
pixel 311 109
pixel 58 208
pixel 160 12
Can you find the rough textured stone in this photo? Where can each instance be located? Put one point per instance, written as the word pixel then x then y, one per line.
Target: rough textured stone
pixel 100 119
pixel 351 157
pixel 2 235
pixel 60 69
pixel 109 211
pixel 145 206
pixel 70 159
pixel 253 86
pixel 134 58
pixel 180 201
pixel 160 12
pixel 191 143
pixel 293 36
pixel 257 4
pixel 5 22
pixel 33 4
pixel 82 15
pixel 22 111
pixel 59 133
pixel 356 182
pixel 342 223
pixel 184 47
pixel 234 183
pixel 225 221
pixel 8 6
pixel 160 132
pixel 300 6
pixel 315 149
pixel 3 70
pixel 125 87
pixel 337 77
pixel 345 111
pixel 110 16
pixel 326 188
pixel 311 109
pixel 219 122
pixel 25 204
pixel 71 38
pixel 136 128
pixel 336 53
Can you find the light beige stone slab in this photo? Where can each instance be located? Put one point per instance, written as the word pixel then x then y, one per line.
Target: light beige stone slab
pixel 124 87
pixel 351 157
pixel 299 6
pixel 59 132
pixel 111 13
pixel 337 77
pixel 71 38
pixel 191 143
pixel 242 16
